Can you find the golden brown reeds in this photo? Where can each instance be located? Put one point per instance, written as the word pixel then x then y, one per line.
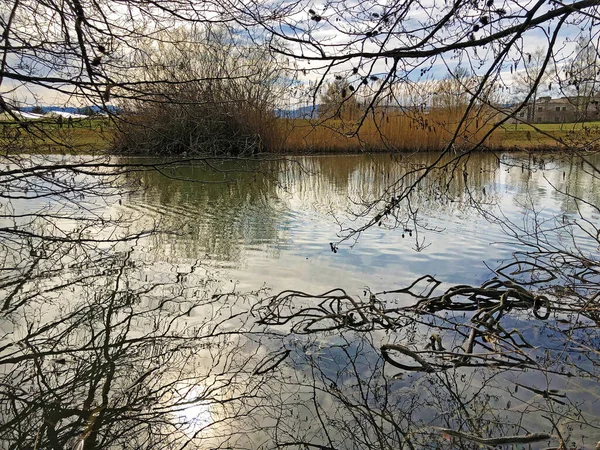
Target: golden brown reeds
pixel 383 131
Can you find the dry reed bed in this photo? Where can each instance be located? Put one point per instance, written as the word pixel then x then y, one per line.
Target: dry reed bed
pixel 384 132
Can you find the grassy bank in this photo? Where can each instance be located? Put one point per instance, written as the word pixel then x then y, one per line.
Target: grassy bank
pixel 385 132
pixel 548 135
pixel 391 132
pixel 83 136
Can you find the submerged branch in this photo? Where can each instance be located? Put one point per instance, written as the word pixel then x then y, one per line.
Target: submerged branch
pixel 535 437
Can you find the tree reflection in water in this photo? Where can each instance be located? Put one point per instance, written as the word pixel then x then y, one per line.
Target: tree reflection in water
pixel 512 363
pixel 465 367
pixel 122 363
pixel 99 349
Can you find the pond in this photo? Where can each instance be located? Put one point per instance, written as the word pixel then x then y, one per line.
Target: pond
pixel 142 305
pixel 276 229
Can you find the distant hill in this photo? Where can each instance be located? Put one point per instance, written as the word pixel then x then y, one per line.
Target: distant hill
pixel 304 112
pixel 71 109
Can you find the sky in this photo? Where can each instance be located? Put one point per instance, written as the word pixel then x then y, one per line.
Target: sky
pixel 338 31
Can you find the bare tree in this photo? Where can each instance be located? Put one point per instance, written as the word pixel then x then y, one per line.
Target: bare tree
pixel 452 93
pixel 220 98
pixel 83 375
pixel 581 76
pixel 532 79
pixel 338 101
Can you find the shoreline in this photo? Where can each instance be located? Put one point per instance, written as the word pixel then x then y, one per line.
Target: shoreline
pixel 310 152
pixel 102 141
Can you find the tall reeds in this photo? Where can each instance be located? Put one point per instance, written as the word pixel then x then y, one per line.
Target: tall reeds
pixel 386 130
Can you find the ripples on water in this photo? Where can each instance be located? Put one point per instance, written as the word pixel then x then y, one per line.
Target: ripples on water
pixel 236 231
pixel 275 229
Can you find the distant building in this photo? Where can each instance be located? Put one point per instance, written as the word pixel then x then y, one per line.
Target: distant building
pixel 65 115
pixel 558 110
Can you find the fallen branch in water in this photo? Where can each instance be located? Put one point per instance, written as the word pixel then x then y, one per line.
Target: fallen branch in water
pixel 535 437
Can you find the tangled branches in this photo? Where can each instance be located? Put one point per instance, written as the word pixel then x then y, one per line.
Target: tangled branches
pixel 480 331
pixel 428 367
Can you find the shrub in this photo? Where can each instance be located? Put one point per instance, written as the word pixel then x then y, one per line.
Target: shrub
pixel 210 93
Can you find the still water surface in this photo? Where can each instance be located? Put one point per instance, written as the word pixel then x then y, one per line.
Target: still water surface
pixel 276 229
pixel 151 344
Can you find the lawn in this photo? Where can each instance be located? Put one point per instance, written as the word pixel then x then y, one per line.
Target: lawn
pixel 45 135
pixel 548 135
pixel 547 127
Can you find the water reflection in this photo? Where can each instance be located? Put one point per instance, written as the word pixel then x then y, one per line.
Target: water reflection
pixel 116 362
pixel 489 366
pixel 213 216
pixel 148 344
pixel 276 227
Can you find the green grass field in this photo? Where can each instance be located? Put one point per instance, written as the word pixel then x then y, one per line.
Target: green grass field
pixel 552 126
pixel 547 134
pixel 47 135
